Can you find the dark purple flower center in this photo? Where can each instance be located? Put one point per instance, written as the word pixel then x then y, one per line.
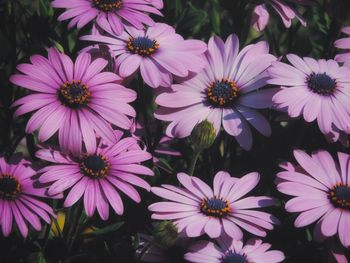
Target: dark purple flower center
pixel 95 166
pixel 340 196
pixel 174 254
pixel 108 5
pixel 142 46
pixel 74 94
pixel 231 257
pixel 215 207
pixel 321 83
pixel 222 93
pixel 10 187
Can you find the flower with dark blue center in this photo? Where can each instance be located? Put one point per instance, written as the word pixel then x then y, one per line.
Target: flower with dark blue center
pixel 321 83
pixel 142 46
pixel 232 257
pixel 222 93
pixel 340 196
pixel 215 207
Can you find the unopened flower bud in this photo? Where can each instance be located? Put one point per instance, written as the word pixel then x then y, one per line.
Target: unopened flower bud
pixel 203 135
pixel 166 233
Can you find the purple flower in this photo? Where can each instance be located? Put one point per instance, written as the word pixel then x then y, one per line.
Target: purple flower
pixel 111 15
pixel 233 251
pixel 157 51
pixel 321 193
pixel 315 90
pixel 196 209
pixel 98 175
pixel 76 99
pixel 344 43
pixel 225 92
pixel 261 16
pixel 19 199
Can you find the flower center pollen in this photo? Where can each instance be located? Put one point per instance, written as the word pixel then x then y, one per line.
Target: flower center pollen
pixel 215 207
pixel 95 166
pixel 232 257
pixel 321 83
pixel 10 187
pixel 222 93
pixel 108 5
pixel 142 46
pixel 340 196
pixel 74 94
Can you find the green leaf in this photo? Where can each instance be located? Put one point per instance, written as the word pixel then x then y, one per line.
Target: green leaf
pixel 37 257
pixel 106 230
pixel 215 16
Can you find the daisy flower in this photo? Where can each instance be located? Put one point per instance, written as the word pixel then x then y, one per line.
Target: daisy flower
pixel 196 209
pixel 321 192
pixel 76 99
pixel 110 15
pixel 98 175
pixel 315 90
pixel 157 51
pixel 344 43
pixel 261 16
pixel 19 201
pixel 225 92
pixel 233 251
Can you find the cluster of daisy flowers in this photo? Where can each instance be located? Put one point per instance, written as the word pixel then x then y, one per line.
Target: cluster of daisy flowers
pixel 82 112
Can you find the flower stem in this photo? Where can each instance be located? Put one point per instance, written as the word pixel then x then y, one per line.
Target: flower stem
pixel 194 159
pixel 143 110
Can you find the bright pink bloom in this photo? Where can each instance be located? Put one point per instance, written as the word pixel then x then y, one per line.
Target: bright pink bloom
pixel 344 43
pixel 315 90
pixel 233 251
pixel 110 15
pixel 261 16
pixel 321 192
pixel 97 175
pixel 76 99
pixel 225 92
pixel 157 51
pixel 196 209
pixel 19 199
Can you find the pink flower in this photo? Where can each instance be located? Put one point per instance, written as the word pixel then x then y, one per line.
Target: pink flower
pixel 97 175
pixel 344 43
pixel 315 90
pixel 196 209
pixel 321 192
pixel 225 92
pixel 19 199
pixel 233 251
pixel 76 99
pixel 261 16
pixel 110 15
pixel 158 52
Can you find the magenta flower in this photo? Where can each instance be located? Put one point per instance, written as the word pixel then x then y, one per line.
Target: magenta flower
pixel 315 90
pixel 157 51
pixel 321 192
pixel 76 99
pixel 344 43
pixel 233 251
pixel 261 16
pixel 197 209
pixel 97 175
pixel 19 199
pixel 110 15
pixel 224 93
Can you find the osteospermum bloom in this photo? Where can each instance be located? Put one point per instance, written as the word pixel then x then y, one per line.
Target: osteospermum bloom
pixel 261 16
pixel 344 44
pixel 197 209
pixel 321 192
pixel 76 99
pixel 19 199
pixel 110 15
pixel 315 90
pixel 225 92
pixel 233 251
pixel 157 51
pixel 98 175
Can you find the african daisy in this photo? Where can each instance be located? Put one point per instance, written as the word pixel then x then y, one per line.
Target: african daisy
pixel 344 44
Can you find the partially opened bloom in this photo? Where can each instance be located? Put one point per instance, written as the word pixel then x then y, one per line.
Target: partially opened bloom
pixel 78 100
pixel 233 251
pixel 19 201
pixel 344 44
pixel 321 192
pixel 261 16
pixel 225 92
pixel 158 52
pixel 98 175
pixel 110 15
pixel 196 209
pixel 315 90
